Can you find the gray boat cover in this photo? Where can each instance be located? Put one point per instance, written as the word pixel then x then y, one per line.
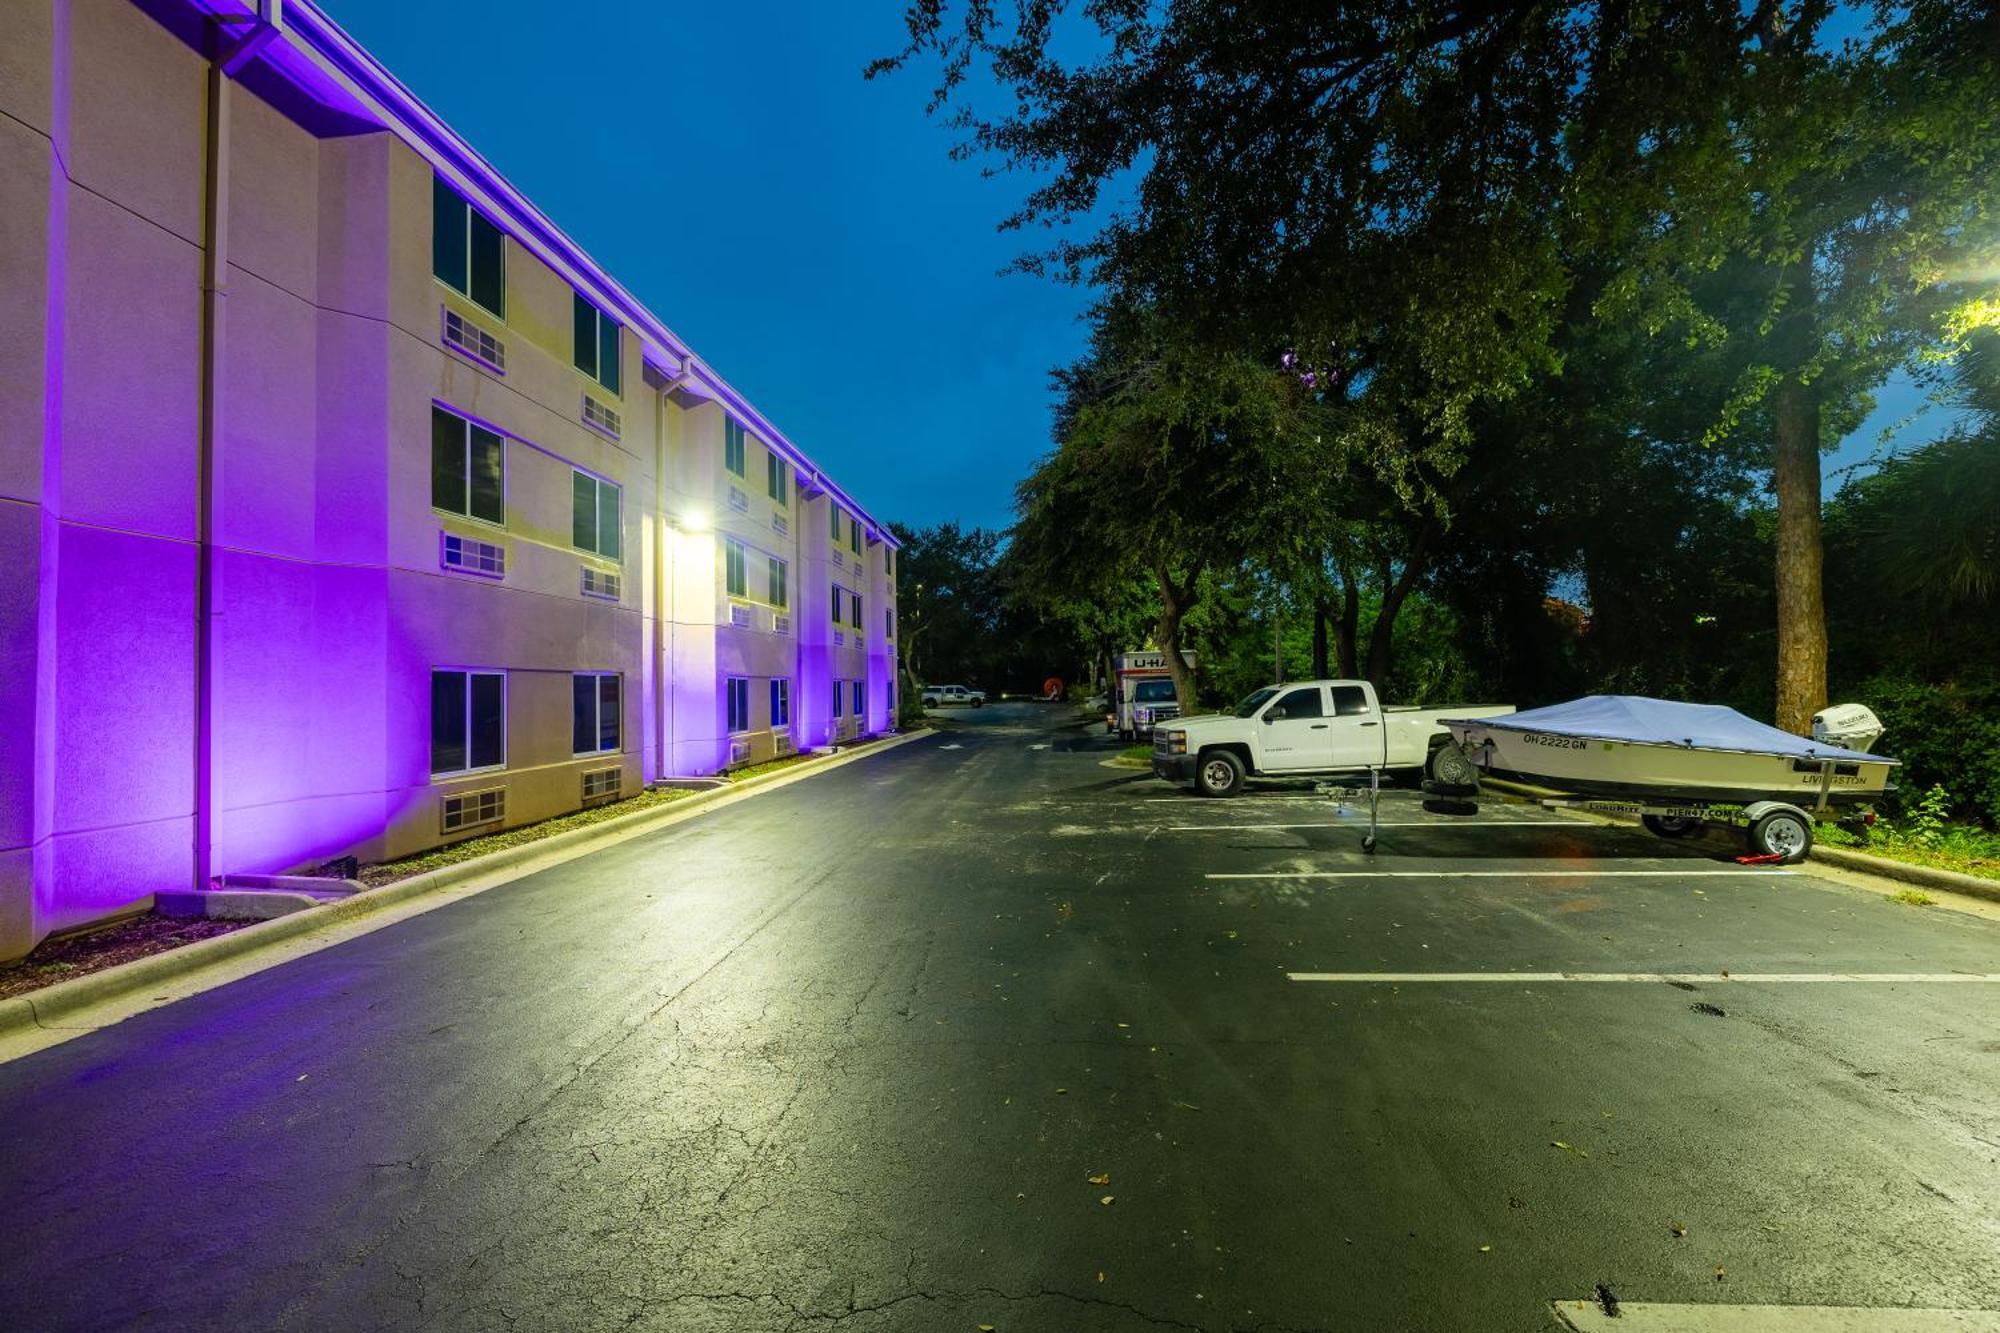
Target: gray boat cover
pixel 1631 717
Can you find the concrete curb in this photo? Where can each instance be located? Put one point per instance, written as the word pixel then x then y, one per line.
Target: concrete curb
pixel 1930 877
pixel 1846 858
pixel 41 1008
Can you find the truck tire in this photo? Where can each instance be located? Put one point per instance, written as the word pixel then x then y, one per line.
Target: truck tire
pixel 979 703
pixel 1219 773
pixel 1449 767
pixel 1671 826
pixel 1783 834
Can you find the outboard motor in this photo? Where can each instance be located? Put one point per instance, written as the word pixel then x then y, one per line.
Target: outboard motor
pixel 1850 726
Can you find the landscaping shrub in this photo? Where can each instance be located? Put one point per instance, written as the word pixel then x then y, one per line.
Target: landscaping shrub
pixel 1947 736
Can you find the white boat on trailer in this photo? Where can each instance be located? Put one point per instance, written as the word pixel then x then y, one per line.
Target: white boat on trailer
pixel 1680 766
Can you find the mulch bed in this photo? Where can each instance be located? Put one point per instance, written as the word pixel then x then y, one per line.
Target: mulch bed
pixel 79 955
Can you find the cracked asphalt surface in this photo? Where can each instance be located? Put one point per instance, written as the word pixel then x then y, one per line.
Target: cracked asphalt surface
pixel 850 1053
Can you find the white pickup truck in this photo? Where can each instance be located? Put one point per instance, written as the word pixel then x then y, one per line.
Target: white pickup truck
pixel 1303 728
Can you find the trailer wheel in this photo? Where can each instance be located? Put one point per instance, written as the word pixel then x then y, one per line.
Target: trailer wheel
pixel 1782 833
pixel 1671 826
pixel 1450 767
pixel 1220 773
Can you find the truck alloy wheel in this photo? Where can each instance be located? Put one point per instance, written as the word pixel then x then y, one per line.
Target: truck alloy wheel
pixel 1219 773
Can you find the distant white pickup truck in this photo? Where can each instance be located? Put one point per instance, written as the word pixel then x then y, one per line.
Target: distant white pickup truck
pixel 937 696
pixel 1303 728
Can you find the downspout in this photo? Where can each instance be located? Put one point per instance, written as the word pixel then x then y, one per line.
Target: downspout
pixel 666 577
pixel 231 54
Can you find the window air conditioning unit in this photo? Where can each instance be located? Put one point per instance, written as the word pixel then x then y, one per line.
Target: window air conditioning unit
pixel 471 555
pixel 462 335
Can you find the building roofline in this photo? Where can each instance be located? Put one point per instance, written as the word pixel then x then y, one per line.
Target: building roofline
pixel 334 63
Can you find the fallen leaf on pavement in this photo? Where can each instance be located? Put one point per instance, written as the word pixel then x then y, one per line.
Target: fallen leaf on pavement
pixel 1677 1229
pixel 1104 1179
pixel 1106 1200
pixel 1486 1249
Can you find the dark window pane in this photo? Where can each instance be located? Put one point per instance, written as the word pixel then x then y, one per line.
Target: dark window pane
pixel 583 512
pixel 857 698
pixel 836 698
pixel 447 234
pixel 854 611
pixel 582 714
pixel 608 528
pixel 447 461
pixel 607 352
pixel 489 720
pixel 447 721
pixel 1349 700
pixel 585 316
pixel 1302 703
pixel 489 266
pixel 607 712
pixel 489 490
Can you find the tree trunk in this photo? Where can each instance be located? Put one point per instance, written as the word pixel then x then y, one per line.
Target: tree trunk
pixel 1801 609
pixel 1350 627
pixel 1382 634
pixel 1322 611
pixel 1174 604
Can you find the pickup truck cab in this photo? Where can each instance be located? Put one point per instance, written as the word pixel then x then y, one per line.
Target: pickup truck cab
pixel 1303 728
pixel 937 696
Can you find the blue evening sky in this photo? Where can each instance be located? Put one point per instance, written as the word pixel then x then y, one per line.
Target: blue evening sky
pixel 803 229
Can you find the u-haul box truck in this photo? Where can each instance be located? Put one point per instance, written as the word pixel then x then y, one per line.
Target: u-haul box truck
pixel 1142 693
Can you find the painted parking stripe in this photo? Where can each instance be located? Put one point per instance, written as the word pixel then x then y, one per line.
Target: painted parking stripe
pixel 1495 874
pixel 1640 1317
pixel 1670 978
pixel 1360 822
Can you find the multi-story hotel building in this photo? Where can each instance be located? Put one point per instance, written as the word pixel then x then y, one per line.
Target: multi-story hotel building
pixel 346 506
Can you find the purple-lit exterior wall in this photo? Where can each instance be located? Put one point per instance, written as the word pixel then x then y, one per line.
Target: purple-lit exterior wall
pixel 330 607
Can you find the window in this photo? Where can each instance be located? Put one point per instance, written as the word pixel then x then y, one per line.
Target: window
pixel 732 445
pixel 596 342
pixel 595 523
pixel 854 535
pixel 732 565
pixel 467 468
pixel 838 695
pixel 854 610
pixel 888 622
pixel 777 479
pixel 739 704
pixel 781 703
pixel 468 253
pixel 1350 701
pixel 778 589
pixel 856 691
pixel 1301 703
pixel 889 561
pixel 834 516
pixel 837 593
pixel 468 720
pixel 593 712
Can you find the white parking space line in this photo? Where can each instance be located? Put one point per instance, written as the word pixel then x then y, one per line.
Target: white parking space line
pixel 1671 978
pixel 1639 1317
pixel 1494 874
pixel 1361 822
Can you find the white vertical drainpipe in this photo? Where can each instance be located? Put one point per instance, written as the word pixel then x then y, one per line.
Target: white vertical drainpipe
pixel 237 39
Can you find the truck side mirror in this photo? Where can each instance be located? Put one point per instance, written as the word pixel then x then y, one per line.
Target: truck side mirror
pixel 1270 717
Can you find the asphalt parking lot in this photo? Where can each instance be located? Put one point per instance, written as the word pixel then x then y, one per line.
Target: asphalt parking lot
pixel 985 1032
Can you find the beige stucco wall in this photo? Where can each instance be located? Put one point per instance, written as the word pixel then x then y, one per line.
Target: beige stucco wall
pixel 331 603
